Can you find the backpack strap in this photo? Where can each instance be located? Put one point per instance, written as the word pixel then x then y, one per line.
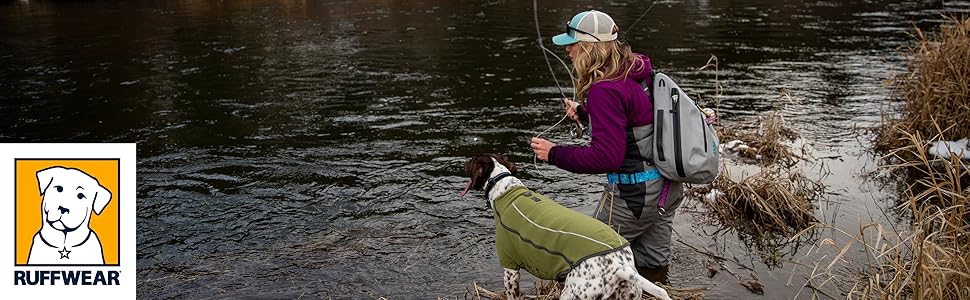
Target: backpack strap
pixel 662 202
pixel 648 84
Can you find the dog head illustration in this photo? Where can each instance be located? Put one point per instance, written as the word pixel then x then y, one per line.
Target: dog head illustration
pixel 70 195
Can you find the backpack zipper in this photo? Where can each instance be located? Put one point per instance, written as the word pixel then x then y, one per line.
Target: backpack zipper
pixel 659 128
pixel 660 135
pixel 675 113
pixel 704 133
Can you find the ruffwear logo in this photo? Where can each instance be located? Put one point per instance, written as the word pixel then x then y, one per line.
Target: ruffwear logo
pixel 73 194
pixel 73 217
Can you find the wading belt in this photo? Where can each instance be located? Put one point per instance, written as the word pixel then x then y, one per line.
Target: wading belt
pixel 641 177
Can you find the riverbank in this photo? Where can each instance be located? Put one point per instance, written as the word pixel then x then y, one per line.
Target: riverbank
pixel 931 258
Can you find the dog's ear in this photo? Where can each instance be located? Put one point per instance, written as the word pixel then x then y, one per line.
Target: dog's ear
pixel 101 198
pixel 508 164
pixel 46 176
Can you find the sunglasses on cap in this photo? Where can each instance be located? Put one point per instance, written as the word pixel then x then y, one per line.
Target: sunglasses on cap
pixel 568 28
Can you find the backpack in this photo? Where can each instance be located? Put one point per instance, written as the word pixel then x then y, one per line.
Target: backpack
pixel 685 145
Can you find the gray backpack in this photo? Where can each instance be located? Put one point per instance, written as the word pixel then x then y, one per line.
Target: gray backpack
pixel 685 145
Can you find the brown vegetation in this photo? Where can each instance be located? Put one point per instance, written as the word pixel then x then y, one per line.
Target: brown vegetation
pixel 938 263
pixel 935 89
pixel 930 259
pixel 768 140
pixel 774 200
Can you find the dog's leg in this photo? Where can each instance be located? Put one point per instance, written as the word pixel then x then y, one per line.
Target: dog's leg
pixel 511 284
pixel 573 287
pixel 613 262
pixel 587 281
pixel 569 292
pixel 627 291
pixel 628 272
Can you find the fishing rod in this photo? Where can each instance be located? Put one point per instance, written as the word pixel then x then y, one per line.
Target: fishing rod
pixel 579 125
pixel 638 19
pixel 545 55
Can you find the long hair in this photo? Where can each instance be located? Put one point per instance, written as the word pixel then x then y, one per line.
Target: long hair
pixel 602 61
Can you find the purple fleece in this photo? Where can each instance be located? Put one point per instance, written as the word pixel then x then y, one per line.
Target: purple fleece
pixel 612 108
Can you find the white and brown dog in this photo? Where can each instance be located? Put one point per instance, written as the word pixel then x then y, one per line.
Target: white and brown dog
pixel 65 238
pixel 605 274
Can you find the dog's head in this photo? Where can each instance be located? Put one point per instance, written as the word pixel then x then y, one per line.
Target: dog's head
pixel 480 167
pixel 70 195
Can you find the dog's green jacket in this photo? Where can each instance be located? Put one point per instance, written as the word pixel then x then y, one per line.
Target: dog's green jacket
pixel 547 239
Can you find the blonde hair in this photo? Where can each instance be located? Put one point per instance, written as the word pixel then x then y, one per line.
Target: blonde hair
pixel 601 61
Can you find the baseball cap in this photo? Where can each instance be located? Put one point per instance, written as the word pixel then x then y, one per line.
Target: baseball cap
pixel 588 26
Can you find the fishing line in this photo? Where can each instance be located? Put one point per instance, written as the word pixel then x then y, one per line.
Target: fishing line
pixel 535 14
pixel 638 19
pixel 564 65
pixel 545 56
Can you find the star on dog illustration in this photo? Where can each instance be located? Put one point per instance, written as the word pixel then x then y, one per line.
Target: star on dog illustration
pixel 64 253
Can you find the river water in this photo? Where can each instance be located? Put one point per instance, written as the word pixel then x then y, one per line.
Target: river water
pixel 309 149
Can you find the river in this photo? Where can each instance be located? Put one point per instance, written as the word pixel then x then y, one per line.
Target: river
pixel 305 149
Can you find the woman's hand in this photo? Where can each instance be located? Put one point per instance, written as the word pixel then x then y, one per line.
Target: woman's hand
pixel 541 148
pixel 571 108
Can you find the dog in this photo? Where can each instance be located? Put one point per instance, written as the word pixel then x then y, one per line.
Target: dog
pixel 65 238
pixel 554 242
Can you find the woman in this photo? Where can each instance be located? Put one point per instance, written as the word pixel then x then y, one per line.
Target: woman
pixel 610 98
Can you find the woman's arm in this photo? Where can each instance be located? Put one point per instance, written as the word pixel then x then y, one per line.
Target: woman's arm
pixel 607 136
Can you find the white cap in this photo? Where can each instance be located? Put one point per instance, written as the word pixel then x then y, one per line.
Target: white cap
pixel 588 26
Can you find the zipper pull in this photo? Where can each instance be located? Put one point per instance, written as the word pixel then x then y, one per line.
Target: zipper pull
pixel 675 98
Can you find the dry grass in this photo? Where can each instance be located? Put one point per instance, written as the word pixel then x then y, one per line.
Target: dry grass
pixel 770 206
pixel 774 200
pixel 934 88
pixel 768 140
pixel 931 260
pixel 938 266
pixel 549 290
pixel 543 290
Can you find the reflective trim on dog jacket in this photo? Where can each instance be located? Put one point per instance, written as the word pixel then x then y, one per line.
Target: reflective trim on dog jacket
pixel 534 233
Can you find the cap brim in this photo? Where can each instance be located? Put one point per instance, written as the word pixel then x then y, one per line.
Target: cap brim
pixel 563 39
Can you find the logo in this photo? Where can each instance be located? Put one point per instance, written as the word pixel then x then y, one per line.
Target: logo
pixel 72 217
pixel 69 222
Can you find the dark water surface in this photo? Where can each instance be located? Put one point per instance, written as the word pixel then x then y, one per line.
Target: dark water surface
pixel 314 149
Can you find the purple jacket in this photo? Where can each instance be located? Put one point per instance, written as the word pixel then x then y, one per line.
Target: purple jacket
pixel 612 108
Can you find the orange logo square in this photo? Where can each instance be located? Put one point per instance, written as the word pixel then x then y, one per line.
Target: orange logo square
pixel 67 212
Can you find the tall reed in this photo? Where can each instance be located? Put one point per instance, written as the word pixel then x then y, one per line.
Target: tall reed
pixel 935 89
pixel 930 259
pixel 936 93
pixel 938 193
